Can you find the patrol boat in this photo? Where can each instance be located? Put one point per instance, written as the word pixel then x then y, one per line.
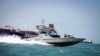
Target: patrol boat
pixel 50 36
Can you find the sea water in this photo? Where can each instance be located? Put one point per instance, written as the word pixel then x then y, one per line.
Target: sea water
pixel 10 46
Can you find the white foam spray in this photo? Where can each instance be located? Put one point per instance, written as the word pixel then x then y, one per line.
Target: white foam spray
pixel 17 40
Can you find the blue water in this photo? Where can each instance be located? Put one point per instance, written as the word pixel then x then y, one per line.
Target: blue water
pixel 81 49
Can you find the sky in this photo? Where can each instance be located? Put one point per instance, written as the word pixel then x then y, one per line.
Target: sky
pixel 80 18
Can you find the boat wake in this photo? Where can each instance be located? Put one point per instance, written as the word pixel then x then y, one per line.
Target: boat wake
pixel 17 40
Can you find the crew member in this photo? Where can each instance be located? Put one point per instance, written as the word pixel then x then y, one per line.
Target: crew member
pixel 65 36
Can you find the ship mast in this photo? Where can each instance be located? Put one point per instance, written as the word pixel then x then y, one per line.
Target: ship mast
pixel 43 22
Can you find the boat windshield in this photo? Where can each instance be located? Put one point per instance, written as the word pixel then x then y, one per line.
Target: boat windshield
pixel 54 34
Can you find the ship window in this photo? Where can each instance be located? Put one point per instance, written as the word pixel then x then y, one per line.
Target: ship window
pixel 53 33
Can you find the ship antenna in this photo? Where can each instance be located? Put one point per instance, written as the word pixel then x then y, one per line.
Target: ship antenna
pixel 43 22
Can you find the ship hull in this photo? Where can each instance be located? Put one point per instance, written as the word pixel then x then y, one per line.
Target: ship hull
pixel 59 41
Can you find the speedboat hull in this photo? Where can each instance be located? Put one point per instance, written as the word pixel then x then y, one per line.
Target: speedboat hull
pixel 67 42
pixel 59 41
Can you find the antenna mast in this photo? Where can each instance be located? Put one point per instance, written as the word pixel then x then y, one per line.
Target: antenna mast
pixel 43 22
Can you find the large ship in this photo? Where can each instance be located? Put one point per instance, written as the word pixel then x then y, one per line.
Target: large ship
pixel 44 34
